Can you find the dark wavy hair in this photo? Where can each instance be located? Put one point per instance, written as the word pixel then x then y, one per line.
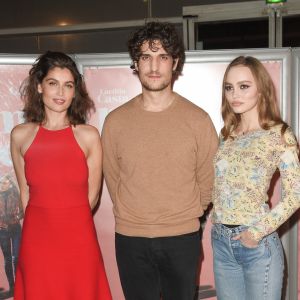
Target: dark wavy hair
pixel 166 34
pixel 34 110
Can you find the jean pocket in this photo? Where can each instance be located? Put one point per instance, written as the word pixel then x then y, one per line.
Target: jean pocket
pixel 276 240
pixel 277 247
pixel 215 232
pixel 252 255
pixel 213 235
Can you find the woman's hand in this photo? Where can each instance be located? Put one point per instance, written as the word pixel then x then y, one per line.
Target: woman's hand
pixel 246 239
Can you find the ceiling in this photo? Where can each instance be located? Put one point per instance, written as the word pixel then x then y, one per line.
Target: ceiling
pixel 37 13
pixel 34 26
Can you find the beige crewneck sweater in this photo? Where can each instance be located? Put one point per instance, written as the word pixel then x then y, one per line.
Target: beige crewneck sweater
pixel 158 167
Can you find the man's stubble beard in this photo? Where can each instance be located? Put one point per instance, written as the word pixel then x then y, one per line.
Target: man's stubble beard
pixel 153 87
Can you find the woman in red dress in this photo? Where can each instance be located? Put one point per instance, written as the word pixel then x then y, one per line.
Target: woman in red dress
pixel 57 160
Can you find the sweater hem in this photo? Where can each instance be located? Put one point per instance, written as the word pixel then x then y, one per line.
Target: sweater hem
pixel 153 231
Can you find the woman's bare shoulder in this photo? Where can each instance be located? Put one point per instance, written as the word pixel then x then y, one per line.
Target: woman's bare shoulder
pixel 86 131
pixel 22 131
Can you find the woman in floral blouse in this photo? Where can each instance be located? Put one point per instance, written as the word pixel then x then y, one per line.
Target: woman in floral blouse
pixel 254 143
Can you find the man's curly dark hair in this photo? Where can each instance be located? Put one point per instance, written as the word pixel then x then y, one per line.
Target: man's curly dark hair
pixel 166 34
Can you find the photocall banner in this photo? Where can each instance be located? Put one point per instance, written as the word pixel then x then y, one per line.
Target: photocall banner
pixel 11 213
pixel 111 83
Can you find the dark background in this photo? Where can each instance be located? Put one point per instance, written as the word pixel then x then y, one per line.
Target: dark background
pixel 40 14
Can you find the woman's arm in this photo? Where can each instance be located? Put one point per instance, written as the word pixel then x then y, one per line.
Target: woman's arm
pixel 289 168
pixel 16 142
pixel 94 162
pixel 89 140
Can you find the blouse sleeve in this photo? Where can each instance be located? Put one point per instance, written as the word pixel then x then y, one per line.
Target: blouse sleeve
pixel 289 167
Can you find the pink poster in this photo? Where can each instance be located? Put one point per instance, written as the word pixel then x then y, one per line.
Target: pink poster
pixel 200 83
pixel 110 87
pixel 207 77
pixel 297 218
pixel 11 77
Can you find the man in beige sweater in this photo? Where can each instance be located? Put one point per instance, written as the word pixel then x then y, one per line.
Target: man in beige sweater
pixel 158 151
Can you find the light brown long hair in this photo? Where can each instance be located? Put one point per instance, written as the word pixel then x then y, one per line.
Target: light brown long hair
pixel 267 106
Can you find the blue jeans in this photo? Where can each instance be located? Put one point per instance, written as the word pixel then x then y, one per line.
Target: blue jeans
pixel 243 273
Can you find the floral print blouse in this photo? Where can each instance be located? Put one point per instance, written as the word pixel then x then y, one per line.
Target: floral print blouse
pixel 244 167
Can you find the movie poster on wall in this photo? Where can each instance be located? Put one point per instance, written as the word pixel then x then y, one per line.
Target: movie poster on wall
pixel 207 77
pixel 11 212
pixel 111 86
pixel 296 99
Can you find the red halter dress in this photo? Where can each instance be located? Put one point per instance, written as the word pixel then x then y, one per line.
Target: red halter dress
pixel 60 258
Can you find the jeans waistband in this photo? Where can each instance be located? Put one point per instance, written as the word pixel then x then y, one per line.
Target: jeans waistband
pixel 225 231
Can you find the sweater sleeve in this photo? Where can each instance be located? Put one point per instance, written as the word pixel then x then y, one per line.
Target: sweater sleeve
pixel 111 168
pixel 207 147
pixel 289 168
